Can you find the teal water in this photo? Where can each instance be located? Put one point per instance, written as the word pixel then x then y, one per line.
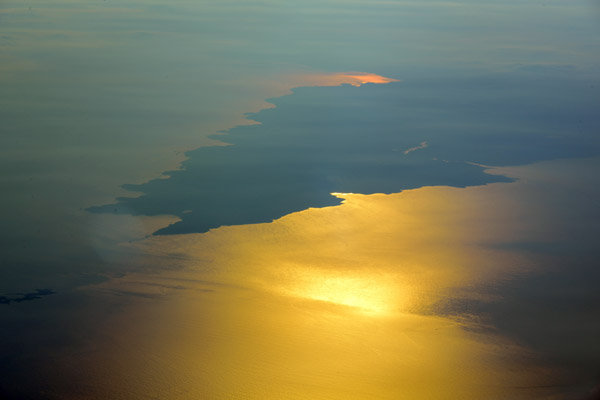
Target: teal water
pixel 117 106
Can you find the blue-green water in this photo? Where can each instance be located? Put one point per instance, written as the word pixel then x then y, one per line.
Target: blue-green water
pixel 110 107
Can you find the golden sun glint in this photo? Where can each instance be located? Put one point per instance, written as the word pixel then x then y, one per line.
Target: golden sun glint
pixel 360 78
pixel 370 294
pixel 337 303
pixel 336 79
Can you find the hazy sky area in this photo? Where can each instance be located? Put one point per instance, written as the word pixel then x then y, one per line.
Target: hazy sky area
pixel 456 258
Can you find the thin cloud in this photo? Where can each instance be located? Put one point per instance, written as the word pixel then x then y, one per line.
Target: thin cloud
pixel 420 146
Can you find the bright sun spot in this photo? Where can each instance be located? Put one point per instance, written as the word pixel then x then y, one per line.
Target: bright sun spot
pixel 366 293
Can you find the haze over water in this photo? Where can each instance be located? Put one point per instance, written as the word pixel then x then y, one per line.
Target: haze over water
pixel 294 200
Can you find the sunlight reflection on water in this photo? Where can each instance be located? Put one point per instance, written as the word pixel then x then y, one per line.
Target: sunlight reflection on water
pixel 340 302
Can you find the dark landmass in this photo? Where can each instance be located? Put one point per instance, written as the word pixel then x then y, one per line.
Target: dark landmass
pixel 369 139
pixel 20 297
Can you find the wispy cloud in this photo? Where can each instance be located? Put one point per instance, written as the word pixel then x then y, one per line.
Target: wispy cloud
pixel 420 146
